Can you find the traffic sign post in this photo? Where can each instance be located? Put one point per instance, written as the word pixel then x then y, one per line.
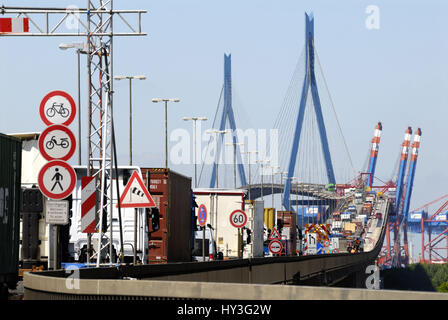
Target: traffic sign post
pixel 57 142
pixel 202 215
pixel 334 244
pixel 274 235
pixel 56 179
pixel 202 219
pixel 275 246
pixel 319 248
pixel 57 107
pixel 135 194
pixel 311 243
pixel 238 219
pixel 56 212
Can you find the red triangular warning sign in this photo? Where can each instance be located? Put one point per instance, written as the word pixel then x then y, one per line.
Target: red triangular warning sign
pixel 274 235
pixel 135 194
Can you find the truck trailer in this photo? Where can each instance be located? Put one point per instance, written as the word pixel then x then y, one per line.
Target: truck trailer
pixel 10 176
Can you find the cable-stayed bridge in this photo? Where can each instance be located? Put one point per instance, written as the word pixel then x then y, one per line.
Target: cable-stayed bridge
pixel 306 163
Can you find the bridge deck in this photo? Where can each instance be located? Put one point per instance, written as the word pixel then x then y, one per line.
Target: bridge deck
pixel 328 269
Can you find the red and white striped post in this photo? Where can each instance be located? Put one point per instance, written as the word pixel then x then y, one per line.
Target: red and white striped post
pixel 88 204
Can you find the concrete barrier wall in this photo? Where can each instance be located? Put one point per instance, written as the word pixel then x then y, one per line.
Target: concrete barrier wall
pixel 43 287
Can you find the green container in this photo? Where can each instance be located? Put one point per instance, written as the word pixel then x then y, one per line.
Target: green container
pixel 10 190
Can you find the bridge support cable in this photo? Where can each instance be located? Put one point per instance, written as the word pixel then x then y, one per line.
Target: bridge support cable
pixel 209 144
pixel 352 167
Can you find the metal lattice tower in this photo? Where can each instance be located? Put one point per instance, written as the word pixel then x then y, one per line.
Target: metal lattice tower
pixel 100 101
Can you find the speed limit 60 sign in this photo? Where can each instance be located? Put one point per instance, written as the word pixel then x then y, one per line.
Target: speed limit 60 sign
pixel 238 218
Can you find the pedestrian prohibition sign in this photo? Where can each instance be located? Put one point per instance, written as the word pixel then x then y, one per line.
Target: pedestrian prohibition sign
pixel 202 215
pixel 56 179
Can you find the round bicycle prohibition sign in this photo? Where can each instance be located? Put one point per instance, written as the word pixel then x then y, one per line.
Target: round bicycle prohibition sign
pixel 57 107
pixel 275 247
pixel 57 142
pixel 56 179
pixel 238 218
pixel 202 215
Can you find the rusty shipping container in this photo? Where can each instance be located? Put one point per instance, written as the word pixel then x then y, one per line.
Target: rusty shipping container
pixel 10 173
pixel 172 194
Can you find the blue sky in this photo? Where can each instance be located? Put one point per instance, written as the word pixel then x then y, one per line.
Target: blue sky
pixel 397 74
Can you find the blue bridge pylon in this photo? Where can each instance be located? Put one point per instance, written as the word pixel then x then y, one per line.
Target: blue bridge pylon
pixel 309 82
pixel 228 114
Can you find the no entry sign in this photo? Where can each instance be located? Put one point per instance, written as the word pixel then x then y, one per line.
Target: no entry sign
pixel 238 218
pixel 57 107
pixel 57 179
pixel 57 142
pixel 202 215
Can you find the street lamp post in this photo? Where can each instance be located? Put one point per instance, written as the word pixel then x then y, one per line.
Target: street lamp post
pixel 281 173
pixel 234 144
pixel 155 100
pixel 272 182
pixel 261 162
pixel 290 178
pixel 249 153
pixel 216 132
pixel 194 119
pixel 80 49
pixel 130 78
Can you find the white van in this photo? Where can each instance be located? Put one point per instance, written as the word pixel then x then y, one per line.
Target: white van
pixel 210 246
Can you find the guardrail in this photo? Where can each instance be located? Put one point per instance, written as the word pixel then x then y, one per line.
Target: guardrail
pixel 157 290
